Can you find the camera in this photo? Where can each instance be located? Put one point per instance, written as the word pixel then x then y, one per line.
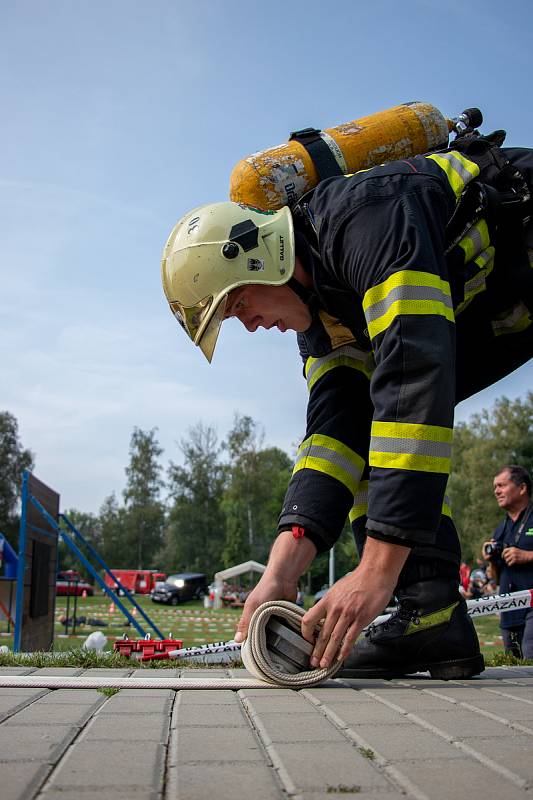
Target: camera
pixel 494 549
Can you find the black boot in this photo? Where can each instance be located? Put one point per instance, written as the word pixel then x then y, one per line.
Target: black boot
pixel 430 630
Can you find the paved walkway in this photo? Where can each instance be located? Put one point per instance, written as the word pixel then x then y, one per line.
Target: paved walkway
pixel 372 739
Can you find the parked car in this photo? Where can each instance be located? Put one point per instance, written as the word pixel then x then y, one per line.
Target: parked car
pixel 179 588
pixel 70 582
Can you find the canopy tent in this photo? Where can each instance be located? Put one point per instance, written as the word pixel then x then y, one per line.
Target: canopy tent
pixel 231 572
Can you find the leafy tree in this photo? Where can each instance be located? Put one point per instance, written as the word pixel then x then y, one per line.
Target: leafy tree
pixel 257 481
pixel 112 534
pixel 14 459
pixel 491 439
pixel 145 514
pixel 195 530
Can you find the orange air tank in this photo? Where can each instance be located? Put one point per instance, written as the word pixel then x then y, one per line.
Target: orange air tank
pixel 280 175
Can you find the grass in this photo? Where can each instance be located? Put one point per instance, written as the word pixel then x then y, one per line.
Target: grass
pixel 190 622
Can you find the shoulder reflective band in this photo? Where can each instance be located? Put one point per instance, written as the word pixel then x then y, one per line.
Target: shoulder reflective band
pixel 320 151
pixel 515 321
pixel 331 457
pixel 346 356
pixel 406 292
pixel 404 445
pixel 458 169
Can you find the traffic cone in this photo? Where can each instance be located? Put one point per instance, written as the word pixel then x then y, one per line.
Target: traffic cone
pixel 84 594
pixel 111 609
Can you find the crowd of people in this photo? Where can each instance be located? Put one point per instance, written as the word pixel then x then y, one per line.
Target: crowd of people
pixel 478 581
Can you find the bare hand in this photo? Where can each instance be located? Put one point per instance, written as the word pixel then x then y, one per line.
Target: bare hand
pixel 353 602
pixel 270 587
pixel 514 555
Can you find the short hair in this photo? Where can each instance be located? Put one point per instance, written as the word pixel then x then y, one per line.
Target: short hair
pixel 518 475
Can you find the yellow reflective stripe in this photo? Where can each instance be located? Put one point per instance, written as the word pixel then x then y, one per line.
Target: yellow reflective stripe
pixel 458 170
pixel 406 292
pixel 405 445
pixel 518 319
pixel 331 457
pixel 347 356
pixel 477 284
pixel 360 502
pixel 475 240
pixel 426 621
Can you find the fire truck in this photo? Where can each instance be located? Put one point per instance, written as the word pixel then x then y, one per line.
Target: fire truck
pixel 136 581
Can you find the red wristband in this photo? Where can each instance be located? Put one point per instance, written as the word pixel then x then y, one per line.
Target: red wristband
pixel 298 531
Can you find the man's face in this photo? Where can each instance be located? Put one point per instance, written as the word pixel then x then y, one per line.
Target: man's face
pixel 268 307
pixel 508 494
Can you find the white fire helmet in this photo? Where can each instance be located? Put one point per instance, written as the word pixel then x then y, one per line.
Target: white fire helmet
pixel 213 250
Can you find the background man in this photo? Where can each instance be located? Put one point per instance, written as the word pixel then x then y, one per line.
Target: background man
pixel 409 292
pixel 511 548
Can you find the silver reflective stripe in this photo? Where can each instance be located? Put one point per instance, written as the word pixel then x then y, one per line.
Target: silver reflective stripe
pixel 419 447
pixel 406 292
pixel 463 173
pixel 348 351
pixel 475 239
pixel 326 454
pixel 517 320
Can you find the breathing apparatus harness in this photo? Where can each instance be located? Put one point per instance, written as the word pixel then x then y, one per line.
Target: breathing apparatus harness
pixel 500 192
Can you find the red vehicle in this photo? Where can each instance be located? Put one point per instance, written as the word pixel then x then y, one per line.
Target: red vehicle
pixel 136 581
pixel 70 582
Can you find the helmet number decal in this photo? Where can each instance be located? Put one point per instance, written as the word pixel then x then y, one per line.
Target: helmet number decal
pixel 256 265
pixel 193 225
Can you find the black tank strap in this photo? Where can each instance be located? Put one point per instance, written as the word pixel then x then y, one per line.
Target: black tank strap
pixel 322 157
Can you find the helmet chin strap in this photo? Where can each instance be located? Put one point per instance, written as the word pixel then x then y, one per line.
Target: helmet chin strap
pixel 305 294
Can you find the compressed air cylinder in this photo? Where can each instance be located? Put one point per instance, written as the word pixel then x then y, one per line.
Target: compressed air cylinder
pixel 280 175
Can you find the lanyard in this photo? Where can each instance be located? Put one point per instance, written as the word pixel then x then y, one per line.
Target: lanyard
pixel 518 532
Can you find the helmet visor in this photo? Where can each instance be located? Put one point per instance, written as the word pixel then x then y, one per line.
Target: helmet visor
pixel 192 319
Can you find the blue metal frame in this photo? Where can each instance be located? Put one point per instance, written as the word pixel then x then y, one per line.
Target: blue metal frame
pixel 17 638
pixel 104 566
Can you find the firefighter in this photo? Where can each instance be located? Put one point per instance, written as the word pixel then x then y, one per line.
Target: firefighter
pixel 410 287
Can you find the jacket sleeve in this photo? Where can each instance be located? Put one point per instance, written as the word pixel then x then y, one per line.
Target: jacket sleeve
pixel 391 249
pixel 326 485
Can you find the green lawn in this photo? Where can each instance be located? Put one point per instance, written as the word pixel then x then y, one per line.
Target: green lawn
pixel 190 622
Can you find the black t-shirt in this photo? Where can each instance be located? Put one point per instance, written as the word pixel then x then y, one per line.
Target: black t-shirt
pixel 520 576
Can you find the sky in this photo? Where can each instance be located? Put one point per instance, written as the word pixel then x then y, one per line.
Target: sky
pixel 119 116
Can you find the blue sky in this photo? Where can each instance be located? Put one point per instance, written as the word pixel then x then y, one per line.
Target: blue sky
pixel 118 118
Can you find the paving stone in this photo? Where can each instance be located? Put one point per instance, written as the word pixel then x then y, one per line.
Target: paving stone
pixel 78 697
pixel 208 696
pixel 414 701
pixel 16 670
pixel 133 704
pixel 200 674
pixel 503 707
pixel 128 727
pixel 148 693
pixel 397 742
pixel 210 744
pixel 224 782
pixel 304 767
pixel 59 672
pixel 338 695
pixel 301 727
pixel 34 742
pixel 46 714
pixel 223 716
pixel 281 704
pixel 15 701
pixel 131 793
pixel 125 765
pixel 459 723
pixel 441 780
pixel 19 781
pixel 360 714
pixel 513 752
pixel 97 672
pixel 155 673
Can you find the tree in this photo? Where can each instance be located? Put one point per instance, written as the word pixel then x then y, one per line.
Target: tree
pixel 145 513
pixel 490 440
pixel 257 481
pixel 88 525
pixel 195 530
pixel 112 534
pixel 14 459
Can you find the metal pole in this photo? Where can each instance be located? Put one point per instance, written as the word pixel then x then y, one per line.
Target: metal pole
pixel 332 566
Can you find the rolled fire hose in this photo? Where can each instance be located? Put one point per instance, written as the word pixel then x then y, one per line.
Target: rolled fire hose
pixel 275 650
